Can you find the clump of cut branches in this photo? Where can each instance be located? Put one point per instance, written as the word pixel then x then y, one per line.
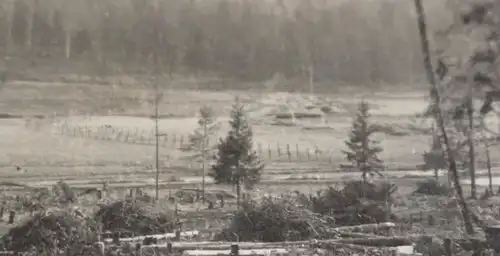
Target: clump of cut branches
pixel 55 233
pixel 432 187
pixel 302 217
pixel 277 219
pixel 137 217
pixel 357 203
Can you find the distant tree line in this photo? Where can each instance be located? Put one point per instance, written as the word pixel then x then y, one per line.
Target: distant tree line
pixel 346 41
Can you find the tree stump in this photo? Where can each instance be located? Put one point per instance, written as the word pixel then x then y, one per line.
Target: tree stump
pixel 12 217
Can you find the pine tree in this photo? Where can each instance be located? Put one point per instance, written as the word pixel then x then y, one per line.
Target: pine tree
pixel 362 151
pixel 199 141
pixel 236 161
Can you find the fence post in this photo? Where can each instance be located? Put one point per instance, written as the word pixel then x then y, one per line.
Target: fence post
pixel 447 247
pixel 235 250
pixel 165 139
pixel 169 248
pixel 181 141
pixel 308 155
pixel 316 153
pixel 430 220
pixel 297 151
pixel 174 140
pixel 288 153
pixel 136 135
pixel 278 149
pixel 178 235
pixel 121 135
pixel 96 134
pixel 269 153
pixel 126 136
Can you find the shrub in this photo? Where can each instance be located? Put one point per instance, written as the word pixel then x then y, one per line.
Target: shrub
pixel 314 216
pixel 277 219
pixel 432 187
pixel 140 218
pixel 56 233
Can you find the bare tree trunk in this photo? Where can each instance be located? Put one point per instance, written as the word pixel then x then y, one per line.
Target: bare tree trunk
pixel 157 148
pixel 488 165
pixel 203 155
pixel 238 193
pixel 434 93
pixel 470 141
pixel 311 80
pixel 67 43
pixel 10 17
pixel 30 17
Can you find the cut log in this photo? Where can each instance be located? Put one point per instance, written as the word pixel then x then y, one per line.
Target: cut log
pixel 358 235
pixel 373 242
pixel 167 236
pixel 367 227
pixel 257 252
pixel 376 241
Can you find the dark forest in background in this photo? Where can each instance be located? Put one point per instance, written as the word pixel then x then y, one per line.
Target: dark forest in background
pixel 355 42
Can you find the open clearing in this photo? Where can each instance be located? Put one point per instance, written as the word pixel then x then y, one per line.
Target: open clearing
pixel 45 152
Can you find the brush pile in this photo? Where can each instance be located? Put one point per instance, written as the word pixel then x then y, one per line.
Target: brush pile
pixel 139 218
pixel 53 233
pixel 277 219
pixel 299 217
pixel 432 187
pixel 358 202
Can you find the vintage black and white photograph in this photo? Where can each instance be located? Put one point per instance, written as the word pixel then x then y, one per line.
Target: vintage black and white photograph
pixel 250 127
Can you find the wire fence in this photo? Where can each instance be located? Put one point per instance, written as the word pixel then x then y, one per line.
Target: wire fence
pixel 281 152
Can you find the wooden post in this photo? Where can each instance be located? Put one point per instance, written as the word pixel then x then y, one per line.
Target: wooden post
pixel 278 149
pixel 269 153
pixel 288 153
pixel 12 217
pixel 235 250
pixel 142 138
pixel 447 247
pixel 95 135
pixel 136 135
pixel 181 141
pixel 169 248
pixel 116 237
pixel 101 248
pixel 2 210
pixel 430 220
pixel 297 151
pixel 127 137
pixel 178 235
pixel 138 248
pixel 174 140
pixel 308 155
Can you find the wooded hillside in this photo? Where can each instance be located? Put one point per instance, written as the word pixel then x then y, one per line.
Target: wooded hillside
pixel 357 41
